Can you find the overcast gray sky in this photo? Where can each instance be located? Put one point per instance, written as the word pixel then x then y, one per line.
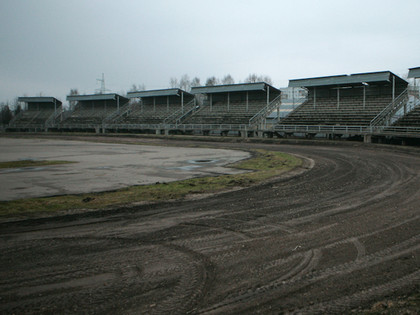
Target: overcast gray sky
pixel 52 46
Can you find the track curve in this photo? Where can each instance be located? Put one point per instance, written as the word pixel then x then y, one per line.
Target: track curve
pixel 335 238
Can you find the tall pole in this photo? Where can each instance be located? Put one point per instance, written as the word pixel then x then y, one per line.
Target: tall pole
pixel 338 97
pixel 182 102
pixel 393 87
pixel 364 96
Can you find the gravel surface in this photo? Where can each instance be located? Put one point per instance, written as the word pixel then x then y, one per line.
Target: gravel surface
pixel 337 237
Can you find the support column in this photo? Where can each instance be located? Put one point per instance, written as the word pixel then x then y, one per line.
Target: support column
pixel 314 97
pixel 211 102
pixel 154 104
pixel 268 95
pixel 182 102
pixel 364 96
pixel 338 97
pixel 167 103
pixel 367 138
pixel 393 87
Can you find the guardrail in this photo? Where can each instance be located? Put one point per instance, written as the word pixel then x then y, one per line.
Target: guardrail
pixel 355 130
pixel 262 114
pixel 385 116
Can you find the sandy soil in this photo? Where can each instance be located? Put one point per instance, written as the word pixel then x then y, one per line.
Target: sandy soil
pixel 338 237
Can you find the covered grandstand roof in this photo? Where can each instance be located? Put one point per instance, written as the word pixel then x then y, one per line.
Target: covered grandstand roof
pixel 39 99
pixel 414 72
pixel 351 79
pixel 156 93
pixel 243 87
pixel 96 97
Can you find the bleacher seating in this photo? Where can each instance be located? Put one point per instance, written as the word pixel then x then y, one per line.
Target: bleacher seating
pixel 219 113
pixel 327 111
pixel 411 119
pixel 31 118
pixel 148 114
pixel 91 115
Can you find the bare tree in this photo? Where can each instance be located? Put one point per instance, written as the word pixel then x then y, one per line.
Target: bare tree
pixel 185 83
pixel 72 104
pixel 195 82
pixel 135 88
pixel 227 79
pixel 253 78
pixel 174 83
pixel 212 81
pixel 6 114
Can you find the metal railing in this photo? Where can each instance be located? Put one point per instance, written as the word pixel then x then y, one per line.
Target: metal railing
pixel 384 118
pixel 262 114
pixel 117 113
pixel 353 130
pixel 181 114
pixel 51 120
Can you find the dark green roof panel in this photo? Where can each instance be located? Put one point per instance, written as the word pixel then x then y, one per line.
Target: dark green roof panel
pixel 353 79
pixel 414 72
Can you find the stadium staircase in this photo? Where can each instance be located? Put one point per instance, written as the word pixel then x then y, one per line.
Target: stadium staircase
pixel 387 116
pixel 261 116
pixel 178 116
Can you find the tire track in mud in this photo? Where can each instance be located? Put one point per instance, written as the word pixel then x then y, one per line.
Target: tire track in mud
pixel 342 234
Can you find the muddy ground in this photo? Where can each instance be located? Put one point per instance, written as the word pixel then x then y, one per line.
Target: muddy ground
pixel 335 238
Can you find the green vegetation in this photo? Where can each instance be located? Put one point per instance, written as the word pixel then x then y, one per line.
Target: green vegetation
pixel 30 163
pixel 264 165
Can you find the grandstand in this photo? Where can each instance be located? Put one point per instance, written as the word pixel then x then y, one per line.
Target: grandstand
pixel 410 113
pixel 92 111
pixel 246 103
pixel 345 100
pixel 156 107
pixel 38 113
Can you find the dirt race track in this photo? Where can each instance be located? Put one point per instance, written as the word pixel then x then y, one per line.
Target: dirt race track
pixel 335 238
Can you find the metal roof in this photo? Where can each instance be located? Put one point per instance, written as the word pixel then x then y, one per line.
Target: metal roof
pixel 95 97
pixel 157 93
pixel 352 79
pixel 414 72
pixel 39 99
pixel 243 87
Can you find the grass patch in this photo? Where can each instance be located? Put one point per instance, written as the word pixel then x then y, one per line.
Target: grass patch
pixel 264 165
pixel 30 163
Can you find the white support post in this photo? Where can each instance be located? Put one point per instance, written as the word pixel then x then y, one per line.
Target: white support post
pixel 182 102
pixel 393 87
pixel 293 97
pixel 364 96
pixel 338 97
pixel 268 95
pixel 118 104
